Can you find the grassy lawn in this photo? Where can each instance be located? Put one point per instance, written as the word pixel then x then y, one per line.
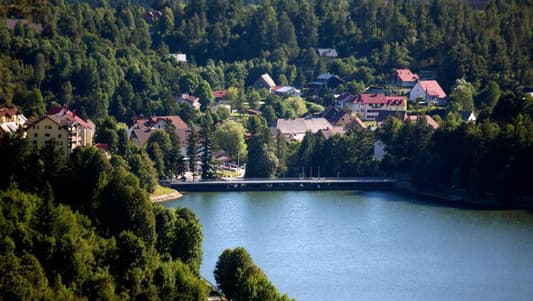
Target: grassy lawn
pixel 160 190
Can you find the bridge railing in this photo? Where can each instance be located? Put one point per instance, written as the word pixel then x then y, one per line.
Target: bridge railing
pixel 284 179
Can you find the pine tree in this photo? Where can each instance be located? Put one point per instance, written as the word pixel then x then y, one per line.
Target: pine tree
pixel 206 137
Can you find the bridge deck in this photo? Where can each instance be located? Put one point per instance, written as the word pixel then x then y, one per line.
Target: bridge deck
pixel 285 184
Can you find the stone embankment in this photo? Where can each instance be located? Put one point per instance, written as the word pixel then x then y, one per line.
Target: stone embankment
pixel 166 197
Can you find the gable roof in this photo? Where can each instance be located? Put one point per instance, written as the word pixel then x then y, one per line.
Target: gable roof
pixel 329 52
pixel 429 120
pixel 432 88
pixel 325 76
pixel 346 97
pixel 142 135
pixel 405 75
pixel 302 125
pixel 189 98
pixel 380 98
pixel 357 121
pixel 63 121
pixel 57 112
pixel 267 80
pixel 465 115
pixel 8 112
pixel 175 119
pixel 336 130
pixel 219 94
pixel 143 128
pixel 333 115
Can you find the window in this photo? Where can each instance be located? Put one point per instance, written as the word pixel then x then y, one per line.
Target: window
pixel 58 135
pixel 36 127
pixel 47 135
pixel 35 135
pixel 34 142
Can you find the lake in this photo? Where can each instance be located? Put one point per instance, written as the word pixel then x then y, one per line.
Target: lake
pixel 364 245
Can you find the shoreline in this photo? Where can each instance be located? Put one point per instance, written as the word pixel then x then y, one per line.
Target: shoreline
pixel 166 197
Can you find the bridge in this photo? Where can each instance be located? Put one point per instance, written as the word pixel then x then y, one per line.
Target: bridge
pixel 284 184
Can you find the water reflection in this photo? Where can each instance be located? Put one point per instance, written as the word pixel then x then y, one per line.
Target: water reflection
pixel 332 245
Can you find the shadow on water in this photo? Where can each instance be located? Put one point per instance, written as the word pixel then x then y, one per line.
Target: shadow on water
pixel 412 198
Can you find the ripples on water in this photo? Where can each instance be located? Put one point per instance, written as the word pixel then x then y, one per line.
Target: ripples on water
pixel 347 245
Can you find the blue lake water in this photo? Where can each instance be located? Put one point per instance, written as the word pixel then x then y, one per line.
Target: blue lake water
pixel 350 245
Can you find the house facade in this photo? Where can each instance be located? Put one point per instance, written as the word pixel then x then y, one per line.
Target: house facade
pixel 64 127
pixel 368 105
pixel 428 91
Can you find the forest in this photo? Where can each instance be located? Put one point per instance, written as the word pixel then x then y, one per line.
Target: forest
pixel 105 60
pixel 84 228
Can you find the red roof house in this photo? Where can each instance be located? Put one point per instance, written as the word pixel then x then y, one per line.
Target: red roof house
pixel 429 91
pixel 404 78
pixel 368 105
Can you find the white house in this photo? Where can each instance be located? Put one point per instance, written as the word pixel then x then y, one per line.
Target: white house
pixel 428 91
pixel 179 57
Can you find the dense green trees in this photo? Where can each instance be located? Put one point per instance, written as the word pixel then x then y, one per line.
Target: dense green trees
pixel 50 252
pixel 83 227
pixel 347 155
pixel 265 162
pixel 240 279
pixel 229 137
pixel 106 249
pixel 104 60
pixel 487 157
